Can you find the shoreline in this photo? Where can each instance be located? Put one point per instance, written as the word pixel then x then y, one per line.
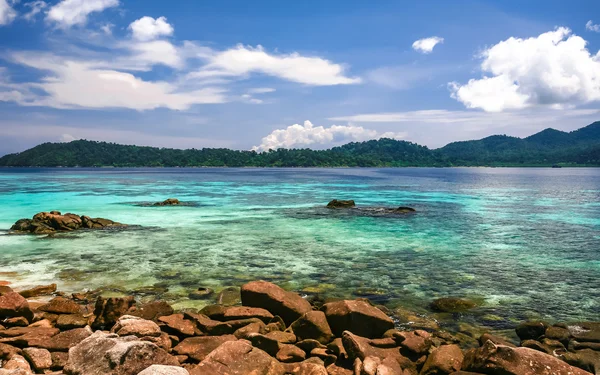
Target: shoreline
pixel 281 328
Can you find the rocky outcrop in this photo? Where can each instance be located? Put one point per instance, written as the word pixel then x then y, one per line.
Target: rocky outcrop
pixel 358 317
pixel 168 202
pixel 341 204
pixel 271 297
pixel 54 222
pixel 109 354
pixel 40 290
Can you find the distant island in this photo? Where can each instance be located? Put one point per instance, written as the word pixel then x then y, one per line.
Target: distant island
pixel 547 148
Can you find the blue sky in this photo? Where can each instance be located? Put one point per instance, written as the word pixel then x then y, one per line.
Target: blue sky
pixel 293 74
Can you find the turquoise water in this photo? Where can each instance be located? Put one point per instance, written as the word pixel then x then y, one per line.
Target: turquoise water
pixel 523 243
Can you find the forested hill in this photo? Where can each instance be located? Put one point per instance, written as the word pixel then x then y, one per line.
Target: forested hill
pixel 548 147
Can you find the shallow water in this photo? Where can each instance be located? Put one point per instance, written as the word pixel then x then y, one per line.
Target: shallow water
pixel 523 243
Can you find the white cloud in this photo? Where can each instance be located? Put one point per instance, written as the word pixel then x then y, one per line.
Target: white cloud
pixel 297 135
pixel 7 13
pixel 553 69
pixel 107 28
pixel 426 45
pixel 36 8
pixel 241 61
pixel 592 27
pixel 155 52
pixel 148 28
pixel 68 13
pixel 261 90
pixel 76 84
pixel 66 138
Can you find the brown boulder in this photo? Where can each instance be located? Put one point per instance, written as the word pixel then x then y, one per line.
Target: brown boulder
pixel 238 358
pixel 61 305
pixel 358 317
pixel 585 331
pixel 71 321
pixel 288 305
pixel 414 344
pixel 109 354
pixel 40 290
pixel 586 359
pixel 362 347
pixel 341 204
pixel 40 359
pixel 176 324
pixel 197 348
pixel 18 321
pixel 215 328
pixel 59 360
pixel 108 311
pixel 444 360
pixel 152 310
pixel 23 337
pixel 504 360
pixel 245 332
pixel 132 325
pixel 17 362
pixel 14 305
pixel 243 312
pixel 290 353
pixel 495 339
pixel 312 325
pixel 168 202
pixel 63 341
pixel 164 370
pixel 531 330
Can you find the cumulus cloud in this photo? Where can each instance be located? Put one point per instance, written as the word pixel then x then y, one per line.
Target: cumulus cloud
pixel 426 45
pixel 36 7
pixel 66 138
pixel 590 26
pixel 242 60
pixel 68 13
pixel 155 52
pixel 76 84
pixel 7 13
pixel 552 69
pixel 148 28
pixel 297 135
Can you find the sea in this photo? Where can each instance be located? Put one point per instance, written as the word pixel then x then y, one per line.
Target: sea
pixel 523 243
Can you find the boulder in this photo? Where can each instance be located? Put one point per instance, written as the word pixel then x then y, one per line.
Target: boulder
pixel 59 360
pixel 132 325
pixel 214 327
pixel 404 210
pixel 443 360
pixel 23 337
pixel 244 312
pixel 61 305
pixel 362 347
pixel 288 305
pixel 504 360
pixel 54 221
pixel 40 359
pixel 164 370
pixel 7 351
pixel 452 305
pixel 108 311
pixel 71 321
pixel 495 339
pixel 63 341
pixel 282 337
pixel 531 330
pixel 358 317
pixel 151 310
pixel 245 332
pixel 585 331
pixel 197 348
pixel 586 359
pixel 17 362
pixel 290 353
pixel 168 202
pixel 176 324
pixel 229 296
pixel 341 204
pixel 109 354
pixel 18 321
pixel 40 290
pixel 238 358
pixel 14 305
pixel 559 334
pixel 414 344
pixel 312 325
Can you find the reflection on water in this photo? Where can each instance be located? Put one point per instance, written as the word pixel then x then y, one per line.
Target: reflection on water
pixel 523 243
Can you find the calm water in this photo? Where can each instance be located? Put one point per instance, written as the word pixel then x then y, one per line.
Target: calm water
pixel 524 243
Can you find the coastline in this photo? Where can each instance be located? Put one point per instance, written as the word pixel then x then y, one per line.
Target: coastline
pixel 287 332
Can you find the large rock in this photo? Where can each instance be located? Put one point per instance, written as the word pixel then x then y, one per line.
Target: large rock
pixel 63 341
pixel 168 202
pixel 358 317
pixel 238 358
pixel 531 330
pixel 361 348
pixel 288 305
pixel 197 348
pixel 109 354
pixel 14 305
pixel 178 325
pixel 71 321
pixel 40 359
pixel 444 360
pixel 151 310
pixel 503 360
pixel 244 312
pixel 585 331
pixel 313 325
pixel 40 290
pixel 54 221
pixel 61 305
pixel 132 325
pixel 23 337
pixel 164 370
pixel 341 204
pixel 109 310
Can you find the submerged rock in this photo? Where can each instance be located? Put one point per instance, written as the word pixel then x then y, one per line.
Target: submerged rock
pixel 168 202
pixel 341 204
pixel 53 222
pixel 452 305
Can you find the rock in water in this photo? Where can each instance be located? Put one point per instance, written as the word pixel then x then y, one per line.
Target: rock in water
pixel 499 359
pixel 452 305
pixel 341 204
pixel 358 317
pixel 288 305
pixel 53 222
pixel 168 202
pixel 109 354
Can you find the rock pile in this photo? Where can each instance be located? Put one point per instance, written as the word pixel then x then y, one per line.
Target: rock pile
pixel 274 332
pixel 53 222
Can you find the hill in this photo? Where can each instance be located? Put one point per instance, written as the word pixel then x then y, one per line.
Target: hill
pixel 548 147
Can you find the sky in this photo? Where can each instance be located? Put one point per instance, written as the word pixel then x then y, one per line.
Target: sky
pixel 267 74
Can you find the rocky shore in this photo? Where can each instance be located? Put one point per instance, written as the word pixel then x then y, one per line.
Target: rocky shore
pixel 265 330
pixel 54 222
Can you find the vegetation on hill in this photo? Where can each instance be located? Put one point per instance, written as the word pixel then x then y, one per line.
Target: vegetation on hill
pixel 548 147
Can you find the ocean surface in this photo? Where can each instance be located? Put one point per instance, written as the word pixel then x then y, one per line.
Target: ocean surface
pixel 522 243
